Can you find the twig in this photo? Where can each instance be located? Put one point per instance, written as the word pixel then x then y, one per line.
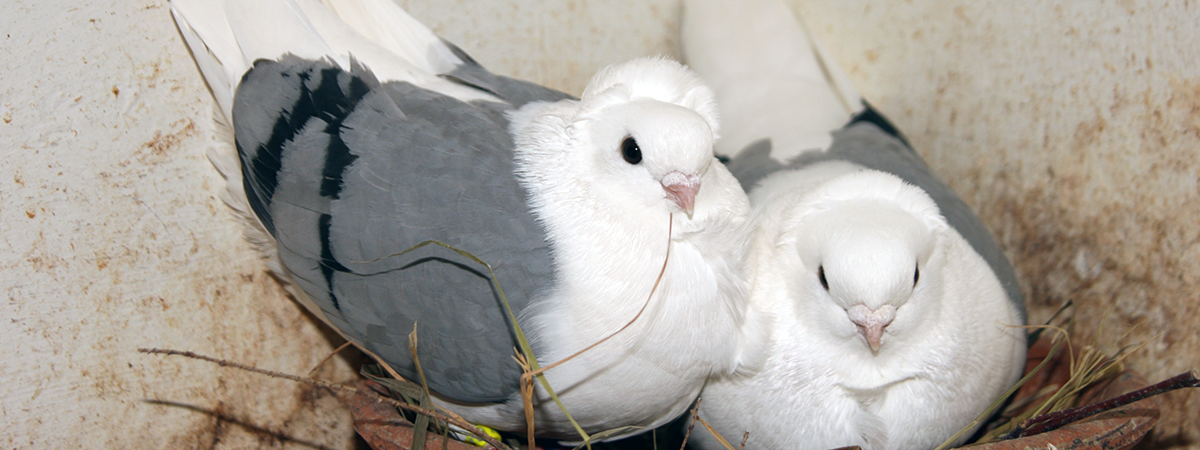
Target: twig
pixel 421 425
pixel 329 357
pixel 527 400
pixel 720 439
pixel 692 424
pixel 325 384
pixel 396 375
pixel 1058 419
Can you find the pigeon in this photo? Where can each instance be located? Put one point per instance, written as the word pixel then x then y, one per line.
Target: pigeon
pixel 359 133
pixel 895 320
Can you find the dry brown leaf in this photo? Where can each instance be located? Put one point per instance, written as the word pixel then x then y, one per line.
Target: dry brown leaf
pixel 382 426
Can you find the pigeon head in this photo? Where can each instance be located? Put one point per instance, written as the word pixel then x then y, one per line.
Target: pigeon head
pixel 650 124
pixel 866 240
pixel 641 136
pixel 651 152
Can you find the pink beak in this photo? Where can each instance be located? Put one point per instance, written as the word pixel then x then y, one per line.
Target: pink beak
pixel 871 323
pixel 681 189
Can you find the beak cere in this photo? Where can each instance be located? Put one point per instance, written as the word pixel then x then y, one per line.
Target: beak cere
pixel 871 323
pixel 681 189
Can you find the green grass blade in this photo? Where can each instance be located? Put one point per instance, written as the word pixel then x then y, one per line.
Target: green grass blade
pixel 604 435
pixel 522 341
pixel 421 425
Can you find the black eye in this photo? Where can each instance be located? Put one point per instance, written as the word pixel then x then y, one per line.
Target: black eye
pixel 631 151
pixel 821 277
pixel 916 275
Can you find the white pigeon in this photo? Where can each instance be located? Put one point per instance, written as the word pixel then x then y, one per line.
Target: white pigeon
pixel 360 133
pixel 895 315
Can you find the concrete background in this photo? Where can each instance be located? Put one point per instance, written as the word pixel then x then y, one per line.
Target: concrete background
pixel 1073 129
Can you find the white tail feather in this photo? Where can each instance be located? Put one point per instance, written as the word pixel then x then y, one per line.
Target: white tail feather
pixel 207 34
pixel 386 24
pixel 227 37
pixel 771 78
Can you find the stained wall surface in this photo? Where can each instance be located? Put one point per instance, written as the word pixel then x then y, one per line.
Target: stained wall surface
pixel 1072 129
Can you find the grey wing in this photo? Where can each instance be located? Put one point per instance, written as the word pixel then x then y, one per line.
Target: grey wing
pixel 871 141
pixel 754 162
pixel 345 172
pixel 515 92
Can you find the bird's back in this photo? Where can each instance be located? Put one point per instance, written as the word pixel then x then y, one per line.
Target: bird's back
pixel 871 142
pixel 351 152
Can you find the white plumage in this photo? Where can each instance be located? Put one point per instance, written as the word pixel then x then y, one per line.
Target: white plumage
pixel 609 219
pixel 894 315
pixel 767 81
pixel 607 177
pixel 946 355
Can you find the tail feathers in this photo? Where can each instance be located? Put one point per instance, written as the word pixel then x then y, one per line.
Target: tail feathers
pixel 838 81
pixel 206 32
pixel 270 29
pixel 386 24
pixel 382 37
pixel 224 158
pixel 226 37
pixel 771 78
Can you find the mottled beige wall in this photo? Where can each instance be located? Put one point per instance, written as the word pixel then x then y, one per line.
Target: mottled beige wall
pixel 111 238
pixel 1074 129
pixel 1071 128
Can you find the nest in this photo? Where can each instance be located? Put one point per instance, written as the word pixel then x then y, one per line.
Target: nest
pixel 383 427
pixel 1118 428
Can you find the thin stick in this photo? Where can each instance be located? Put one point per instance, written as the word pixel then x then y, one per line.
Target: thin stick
pixel 396 376
pixel 692 424
pixel 521 340
pixel 720 439
pixel 1057 419
pixel 527 400
pixel 421 425
pixel 325 384
pixel 330 356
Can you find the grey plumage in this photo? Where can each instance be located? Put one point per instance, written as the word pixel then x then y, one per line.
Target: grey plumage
pixel 870 141
pixel 360 133
pixel 398 165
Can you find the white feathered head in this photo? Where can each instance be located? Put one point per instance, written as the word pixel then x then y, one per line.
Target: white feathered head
pixel 653 77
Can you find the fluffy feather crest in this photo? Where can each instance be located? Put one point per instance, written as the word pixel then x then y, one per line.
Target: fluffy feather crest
pixel 654 77
pixel 872 185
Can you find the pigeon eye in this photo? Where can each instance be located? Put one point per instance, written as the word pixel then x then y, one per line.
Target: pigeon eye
pixel 821 277
pixel 631 151
pixel 916 275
